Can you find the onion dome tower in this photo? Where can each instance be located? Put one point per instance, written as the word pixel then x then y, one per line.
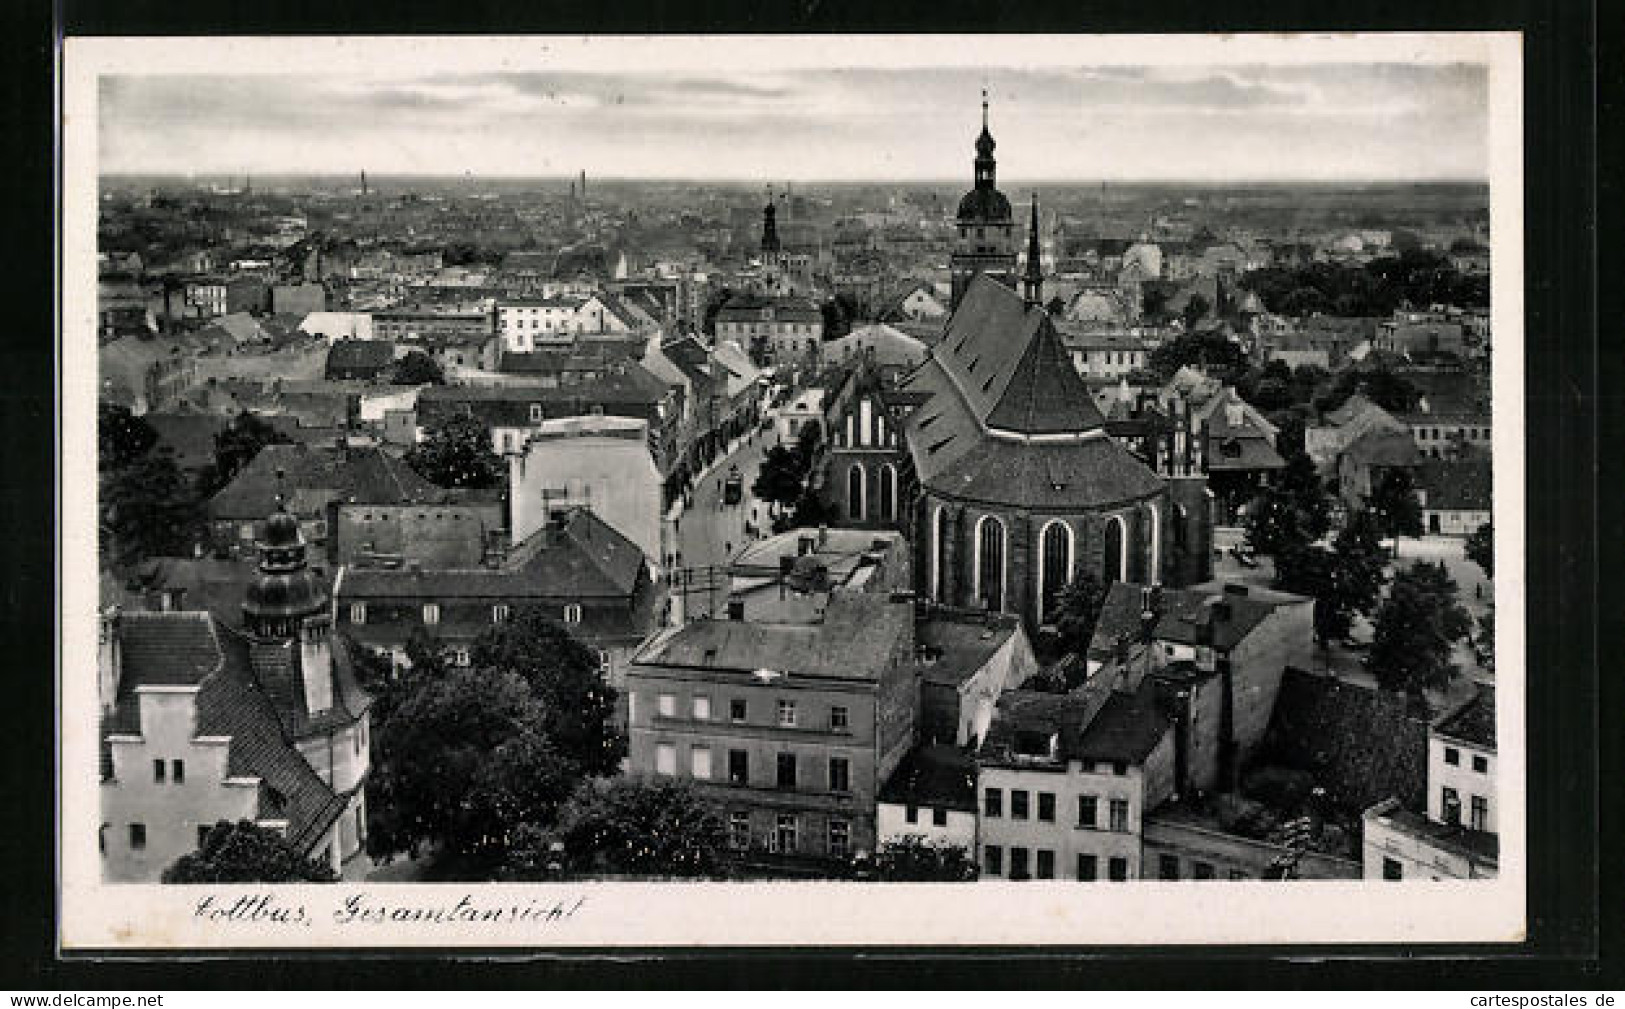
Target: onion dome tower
pixel 986 239
pixel 286 592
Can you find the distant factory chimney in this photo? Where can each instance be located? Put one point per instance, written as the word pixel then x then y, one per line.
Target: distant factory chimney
pixel 363 182
pixel 583 183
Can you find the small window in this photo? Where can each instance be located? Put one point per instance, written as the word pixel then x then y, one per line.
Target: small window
pixel 702 708
pixel 138 836
pixel 700 762
pixel 1450 804
pixel 786 835
pixel 1088 868
pixel 992 803
pixel 1018 864
pixel 461 658
pixel 1119 768
pixel 158 767
pixel 1452 755
pixel 1088 811
pixel 786 770
pixel 358 613
pixel 840 838
pixel 1392 869
pixel 431 613
pixel 1046 806
pixel 203 834
pixel 668 705
pixel 1480 813
pixel 787 714
pixel 1046 864
pixel 838 718
pixel 1167 867
pixel 738 767
pixel 939 817
pixel 911 813
pixel 665 759
pixel 1117 870
pixel 992 859
pixel 1481 764
pixel 1119 813
pixel 572 613
pixel 499 613
pixel 737 710
pixel 177 771
pixel 1018 804
pixel 1203 870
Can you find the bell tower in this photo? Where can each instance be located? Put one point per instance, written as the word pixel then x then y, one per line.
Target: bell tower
pixel 986 227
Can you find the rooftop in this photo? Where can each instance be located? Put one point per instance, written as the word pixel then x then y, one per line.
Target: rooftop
pixel 1474 721
pixel 936 774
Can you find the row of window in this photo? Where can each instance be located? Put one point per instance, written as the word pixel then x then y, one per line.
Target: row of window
pixel 1450 801
pixel 176 771
pixel 1021 807
pixel 500 613
pixel 786 713
pixel 1168 869
pixel 1452 756
pixel 786 770
pixel 1043 866
pixel 786 835
pixel 1441 434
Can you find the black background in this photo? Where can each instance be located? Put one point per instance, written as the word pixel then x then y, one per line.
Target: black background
pixel 1573 899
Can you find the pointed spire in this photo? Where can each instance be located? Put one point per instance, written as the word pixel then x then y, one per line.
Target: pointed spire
pixel 1032 281
pixel 984 108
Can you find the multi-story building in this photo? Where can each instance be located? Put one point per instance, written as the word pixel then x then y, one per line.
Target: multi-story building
pixel 789 729
pixel 1456 837
pixel 1104 353
pixel 786 328
pixel 599 463
pixel 203 722
pixel 579 570
pixel 1065 779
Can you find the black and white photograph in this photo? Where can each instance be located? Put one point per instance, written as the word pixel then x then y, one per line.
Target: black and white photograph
pixel 556 491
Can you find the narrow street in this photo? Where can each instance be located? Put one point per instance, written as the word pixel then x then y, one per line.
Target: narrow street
pixel 709 532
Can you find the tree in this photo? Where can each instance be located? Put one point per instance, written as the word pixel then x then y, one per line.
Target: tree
pixel 244 852
pixel 456 452
pixel 1154 302
pixel 1291 513
pixel 913 859
pixel 1418 626
pixel 1484 641
pixel 1362 562
pixel 120 436
pixel 235 446
pixel 1391 391
pixel 837 320
pixel 1210 351
pixel 1077 610
pixel 1343 581
pixel 149 509
pixel 780 477
pixel 461 763
pixel 417 368
pixel 1196 307
pixel 577 704
pixel 1394 503
pixel 1481 548
pixel 659 828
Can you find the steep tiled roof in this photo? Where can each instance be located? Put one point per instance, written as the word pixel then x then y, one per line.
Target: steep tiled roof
pixel 586 559
pixel 189 435
pixel 370 356
pixel 935 774
pixel 1362 744
pixel 1095 723
pixel 1383 447
pixel 167 649
pixel 1456 484
pixel 364 475
pixel 1474 721
pixel 957 648
pixel 1181 612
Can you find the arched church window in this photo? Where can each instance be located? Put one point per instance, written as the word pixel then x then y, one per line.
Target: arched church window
pixel 1114 557
pixel 939 557
pixel 854 491
pixel 990 564
pixel 888 492
pixel 1055 565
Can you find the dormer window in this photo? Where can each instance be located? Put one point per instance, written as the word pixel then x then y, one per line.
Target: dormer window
pixel 431 613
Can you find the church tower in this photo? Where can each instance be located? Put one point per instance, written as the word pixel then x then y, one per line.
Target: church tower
pixel 1032 280
pixel 287 606
pixel 986 239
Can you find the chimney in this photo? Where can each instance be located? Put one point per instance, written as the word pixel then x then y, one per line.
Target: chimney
pixel 316 663
pixel 109 659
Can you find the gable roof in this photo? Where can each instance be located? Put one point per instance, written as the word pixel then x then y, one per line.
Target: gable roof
pixel 1095 723
pixel 371 356
pixel 360 475
pixel 1474 721
pixel 934 774
pixel 1456 484
pixel 1182 614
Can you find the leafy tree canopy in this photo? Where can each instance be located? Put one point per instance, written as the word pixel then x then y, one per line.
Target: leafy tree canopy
pixel 456 452
pixel 1481 548
pixel 235 446
pixel 149 509
pixel 1077 610
pixel 120 436
pixel 660 828
pixel 418 368
pixel 244 852
pixel 913 859
pixel 1291 513
pixel 1210 351
pixel 577 704
pixel 1394 503
pixel 1418 625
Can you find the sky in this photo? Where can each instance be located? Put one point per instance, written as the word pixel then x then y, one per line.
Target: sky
pixel 760 119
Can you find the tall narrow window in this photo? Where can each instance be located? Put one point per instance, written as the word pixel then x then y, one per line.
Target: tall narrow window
pixel 786 771
pixel 177 771
pixel 854 492
pixel 939 554
pixel 138 836
pixel 888 492
pixel 1113 559
pixel 787 833
pixel 158 771
pixel 840 838
pixel 1055 568
pixel 990 564
pixel 665 758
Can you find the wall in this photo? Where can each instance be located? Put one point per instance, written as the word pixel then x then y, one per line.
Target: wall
pixel 892 824
pixel 616 478
pixel 1419 859
pixel 171 813
pixel 1453 522
pixel 812 741
pixel 1460 776
pixel 1284 638
pixel 1229 856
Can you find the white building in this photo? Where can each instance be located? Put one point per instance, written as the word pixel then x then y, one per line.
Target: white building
pixel 600 463
pixel 1457 836
pixel 931 795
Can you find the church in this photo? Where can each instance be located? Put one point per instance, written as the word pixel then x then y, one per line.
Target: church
pixel 1015 485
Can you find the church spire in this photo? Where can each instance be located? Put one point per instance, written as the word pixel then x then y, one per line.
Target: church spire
pixel 1032 281
pixel 985 165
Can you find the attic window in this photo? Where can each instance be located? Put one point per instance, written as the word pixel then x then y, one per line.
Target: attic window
pixel 927 422
pixel 989 383
pixel 973 363
pixel 1031 743
pixel 933 449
